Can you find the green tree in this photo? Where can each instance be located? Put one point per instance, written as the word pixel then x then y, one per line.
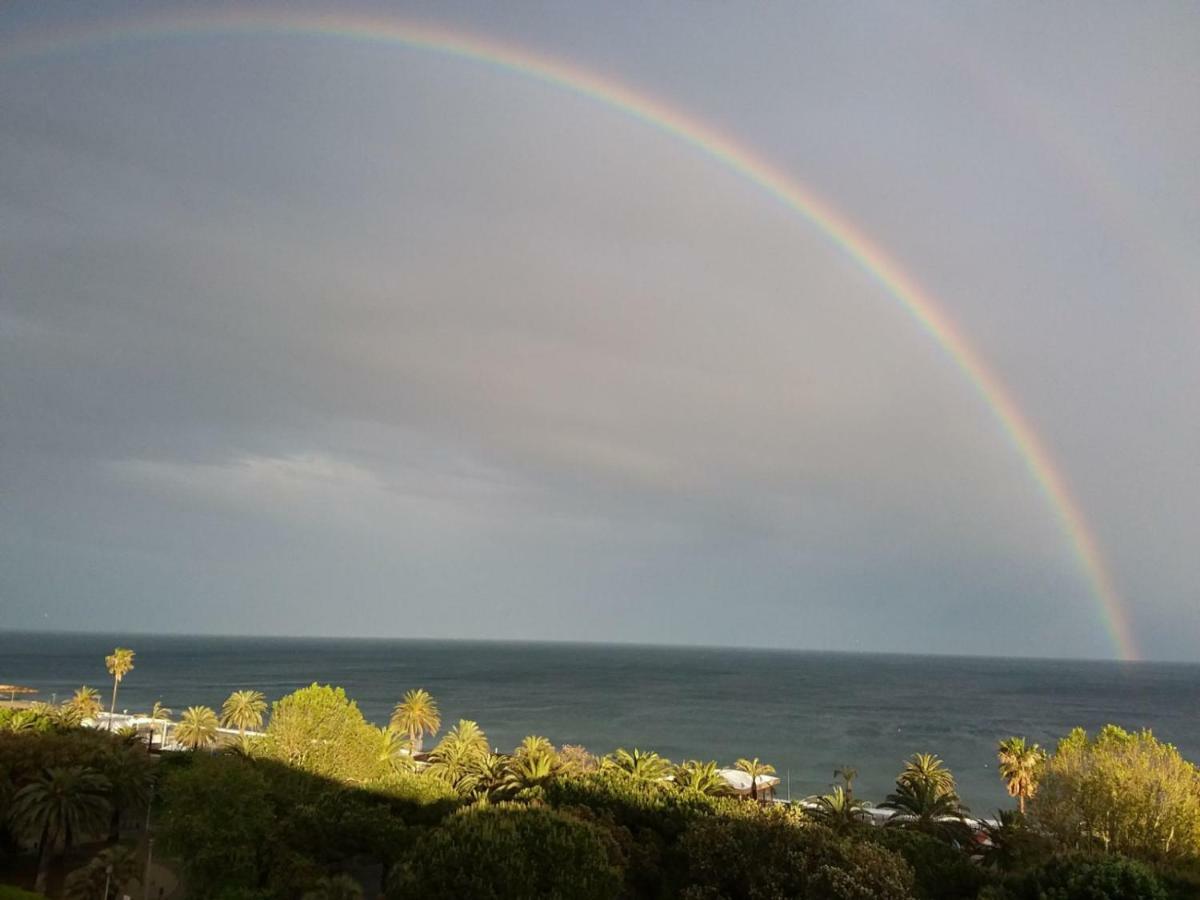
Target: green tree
pixel 197 728
pixel 417 715
pixel 119 664
pixel 320 730
pixel 1120 792
pixel 244 710
pixel 56 808
pixel 756 769
pixel 1020 763
pixel 218 820
pixel 510 853
pixel 645 765
pixel 702 777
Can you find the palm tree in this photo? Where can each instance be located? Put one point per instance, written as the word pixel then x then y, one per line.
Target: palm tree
pixel 197 728
pixel 928 768
pixel 526 771
pixel 755 770
pixel 395 750
pixel 159 713
pixel 56 808
pixel 119 664
pixel 702 777
pixel 838 810
pixel 1019 766
pixel 535 745
pixel 417 715
pixel 244 709
pixel 85 703
pixel 646 765
pixel 460 755
pixel 923 805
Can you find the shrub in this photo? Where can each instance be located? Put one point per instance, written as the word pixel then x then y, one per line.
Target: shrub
pixel 943 872
pixel 510 852
pixel 1082 878
pixel 772 856
pixel 218 820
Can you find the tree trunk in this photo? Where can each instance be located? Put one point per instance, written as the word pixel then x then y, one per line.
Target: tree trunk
pixel 753 787
pixel 1021 803
pixel 43 869
pixel 113 709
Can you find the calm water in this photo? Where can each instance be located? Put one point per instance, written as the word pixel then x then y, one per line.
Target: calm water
pixel 805 712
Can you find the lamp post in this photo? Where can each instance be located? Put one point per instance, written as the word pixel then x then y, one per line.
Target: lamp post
pixel 107 879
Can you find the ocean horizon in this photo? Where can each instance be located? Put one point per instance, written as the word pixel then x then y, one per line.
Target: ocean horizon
pixel 807 712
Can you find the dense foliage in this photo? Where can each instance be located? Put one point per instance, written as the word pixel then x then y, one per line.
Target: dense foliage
pixel 1120 792
pixel 323 804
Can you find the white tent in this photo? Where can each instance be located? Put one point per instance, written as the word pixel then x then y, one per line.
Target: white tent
pixel 739 782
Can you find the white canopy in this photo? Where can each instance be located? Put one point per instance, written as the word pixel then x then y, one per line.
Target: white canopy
pixel 739 781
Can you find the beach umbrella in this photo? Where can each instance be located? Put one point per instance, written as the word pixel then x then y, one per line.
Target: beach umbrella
pixel 13 689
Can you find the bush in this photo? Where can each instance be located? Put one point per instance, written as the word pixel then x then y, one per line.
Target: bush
pixel 510 852
pixel 772 856
pixel 218 820
pixel 942 872
pixel 1081 878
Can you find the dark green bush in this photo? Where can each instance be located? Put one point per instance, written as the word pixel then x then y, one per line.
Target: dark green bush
pixel 1084 878
pixel 217 819
pixel 758 856
pixel 510 852
pixel 942 872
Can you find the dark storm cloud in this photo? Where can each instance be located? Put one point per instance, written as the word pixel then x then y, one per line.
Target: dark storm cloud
pixel 307 337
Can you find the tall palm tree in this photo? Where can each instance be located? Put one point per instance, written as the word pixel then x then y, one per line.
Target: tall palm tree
pixel 56 808
pixel 755 769
pixel 85 703
pixel 119 664
pixel 417 715
pixel 244 709
pixel 159 713
pixel 197 728
pixel 1020 763
pixel 702 777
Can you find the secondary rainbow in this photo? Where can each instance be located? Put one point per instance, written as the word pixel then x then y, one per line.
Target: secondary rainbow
pixel 703 138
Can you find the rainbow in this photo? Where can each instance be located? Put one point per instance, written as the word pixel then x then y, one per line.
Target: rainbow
pixel 704 139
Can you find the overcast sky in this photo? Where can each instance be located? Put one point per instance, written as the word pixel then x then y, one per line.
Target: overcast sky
pixel 307 336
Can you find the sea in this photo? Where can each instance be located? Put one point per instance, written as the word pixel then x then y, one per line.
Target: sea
pixel 806 713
